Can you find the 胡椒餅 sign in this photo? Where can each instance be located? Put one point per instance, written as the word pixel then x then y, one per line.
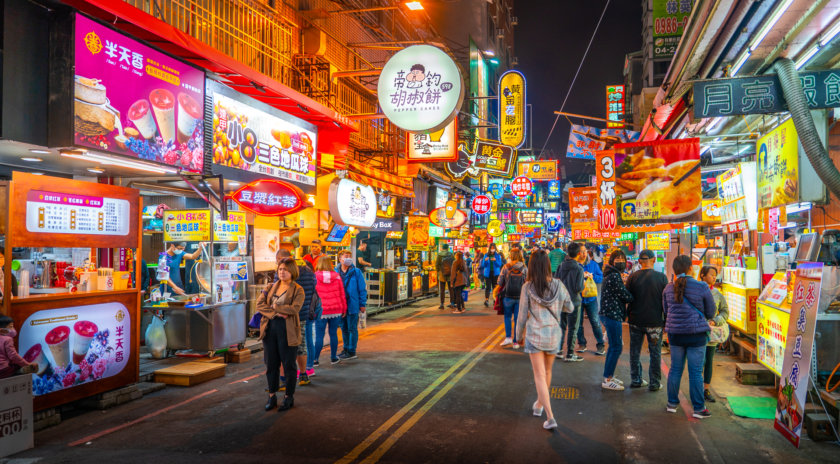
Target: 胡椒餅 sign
pixel 254 138
pixel 428 146
pixel 488 157
pixel 512 109
pixel 133 100
pixel 352 204
pixel 269 197
pixel 584 141
pixel 420 89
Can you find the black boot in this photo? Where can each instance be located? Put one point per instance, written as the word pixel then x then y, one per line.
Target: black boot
pixel 707 395
pixel 288 403
pixel 272 403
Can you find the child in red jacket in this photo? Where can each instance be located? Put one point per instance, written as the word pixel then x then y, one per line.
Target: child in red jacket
pixel 10 360
pixel 330 289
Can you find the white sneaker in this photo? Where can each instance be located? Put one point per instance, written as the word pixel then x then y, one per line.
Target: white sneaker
pixel 506 342
pixel 550 424
pixel 619 381
pixel 611 384
pixel 515 346
pixel 537 409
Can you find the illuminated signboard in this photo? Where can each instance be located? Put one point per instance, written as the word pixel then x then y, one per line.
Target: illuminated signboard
pixel 512 109
pixel 420 88
pixel 584 141
pixel 352 204
pixel 269 197
pixel 488 157
pixel 669 19
pixel 538 170
pixel 615 106
pixel 521 186
pixel 439 145
pixel 658 241
pixel 530 216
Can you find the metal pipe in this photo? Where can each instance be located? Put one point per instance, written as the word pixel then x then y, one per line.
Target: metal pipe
pixel 562 113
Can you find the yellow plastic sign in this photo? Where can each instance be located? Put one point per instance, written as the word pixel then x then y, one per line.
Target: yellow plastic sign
pixel 778 166
pixel 512 109
pixel 186 225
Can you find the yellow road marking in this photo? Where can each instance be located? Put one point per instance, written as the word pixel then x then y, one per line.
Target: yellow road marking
pixel 379 432
pixel 407 425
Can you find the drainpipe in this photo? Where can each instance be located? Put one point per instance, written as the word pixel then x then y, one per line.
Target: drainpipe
pixel 804 123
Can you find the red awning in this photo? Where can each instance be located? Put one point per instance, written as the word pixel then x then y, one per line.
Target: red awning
pixel 658 123
pixel 138 23
pixel 393 189
pixel 404 182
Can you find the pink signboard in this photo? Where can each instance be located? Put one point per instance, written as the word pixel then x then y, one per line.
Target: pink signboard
pixel 133 100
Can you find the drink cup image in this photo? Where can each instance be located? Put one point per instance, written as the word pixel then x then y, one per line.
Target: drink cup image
pixel 84 332
pixel 189 113
pixel 140 115
pixel 58 339
pixel 163 104
pixel 36 355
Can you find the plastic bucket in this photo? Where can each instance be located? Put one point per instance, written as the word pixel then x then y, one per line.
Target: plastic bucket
pixel 465 294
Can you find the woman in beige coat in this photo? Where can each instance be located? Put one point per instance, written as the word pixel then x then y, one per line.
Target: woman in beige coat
pixel 280 306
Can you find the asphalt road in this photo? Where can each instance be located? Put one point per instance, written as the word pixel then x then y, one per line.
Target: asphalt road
pixel 428 386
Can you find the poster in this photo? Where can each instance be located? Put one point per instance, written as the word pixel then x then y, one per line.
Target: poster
pixel 65 213
pixel 537 170
pixel 17 424
pixel 584 141
pixel 659 181
pixel 583 206
pixel 439 145
pixel 669 20
pixel 778 166
pixel 133 100
pixel 658 241
pixel 76 345
pixel 771 333
pixel 232 229
pixel 796 367
pixel 512 92
pixel 417 236
pixel 186 225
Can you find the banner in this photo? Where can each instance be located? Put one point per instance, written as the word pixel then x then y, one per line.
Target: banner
pixel 537 170
pixel 796 370
pixel 778 166
pixel 584 141
pixel 583 207
pixel 659 181
pixel 530 216
pixel 417 236
pixel 512 109
pixel 440 145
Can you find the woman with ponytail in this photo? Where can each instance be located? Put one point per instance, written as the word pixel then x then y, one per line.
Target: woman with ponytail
pixel 688 304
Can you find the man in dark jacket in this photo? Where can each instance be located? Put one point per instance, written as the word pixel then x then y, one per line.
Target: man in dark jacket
pixel 305 354
pixel 646 318
pixel 571 274
pixel 443 266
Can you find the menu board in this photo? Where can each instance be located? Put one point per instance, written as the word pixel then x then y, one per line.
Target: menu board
pixel 658 241
pixel 186 226
pixel 583 206
pixel 530 216
pixel 771 336
pixel 133 100
pixel 230 230
pixel 266 241
pixel 64 213
pixel 418 233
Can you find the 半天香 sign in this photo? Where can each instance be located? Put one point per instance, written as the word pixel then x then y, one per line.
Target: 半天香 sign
pixel 251 136
pixel 439 145
pixel 512 109
pixel 538 170
pixel 778 166
pixel 615 106
pixel 488 157
pixel 352 204
pixel 420 88
pixel 269 197
pixel 584 141
pixel 133 100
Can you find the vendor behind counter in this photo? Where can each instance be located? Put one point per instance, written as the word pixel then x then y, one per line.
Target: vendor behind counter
pixel 175 254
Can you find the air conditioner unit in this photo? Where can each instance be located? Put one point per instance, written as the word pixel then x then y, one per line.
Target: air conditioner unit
pixel 500 33
pixel 514 21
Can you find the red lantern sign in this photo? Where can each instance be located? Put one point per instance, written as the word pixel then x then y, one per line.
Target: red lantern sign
pixel 270 197
pixel 481 204
pixel 521 186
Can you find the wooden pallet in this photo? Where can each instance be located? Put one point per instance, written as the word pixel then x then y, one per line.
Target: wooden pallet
pixel 240 356
pixel 190 373
pixel 215 359
pixel 754 374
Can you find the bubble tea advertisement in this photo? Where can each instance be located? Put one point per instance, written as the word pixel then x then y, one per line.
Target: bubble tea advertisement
pixel 136 101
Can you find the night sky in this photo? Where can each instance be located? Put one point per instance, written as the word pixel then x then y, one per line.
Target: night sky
pixel 550 41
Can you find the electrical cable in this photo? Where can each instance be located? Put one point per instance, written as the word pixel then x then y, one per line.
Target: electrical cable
pixel 574 79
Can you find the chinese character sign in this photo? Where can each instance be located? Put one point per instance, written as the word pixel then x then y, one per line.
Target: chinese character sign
pixel 778 166
pixel 417 235
pixel 530 216
pixel 669 20
pixel 260 142
pixel 136 101
pixel 584 141
pixel 521 186
pixel 439 145
pixel 420 88
pixel 796 368
pixel 481 204
pixel 186 225
pixel 512 109
pixel 538 170
pixel 583 207
pixel 615 106
pixel 607 201
pixel 230 230
pixel 488 157
pixel 269 197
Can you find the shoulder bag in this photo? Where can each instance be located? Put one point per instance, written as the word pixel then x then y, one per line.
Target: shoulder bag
pixel 718 333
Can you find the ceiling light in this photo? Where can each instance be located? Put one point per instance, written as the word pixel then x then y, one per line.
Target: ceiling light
pixel 830 34
pixel 114 161
pixel 37 173
pixel 738 63
pixel 234 184
pixel 40 152
pixel 31 159
pixel 96 170
pixel 807 56
pixel 414 6
pixel 769 24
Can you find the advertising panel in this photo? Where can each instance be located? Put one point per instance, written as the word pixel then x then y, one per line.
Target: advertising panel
pixel 584 141
pixel 778 166
pixel 251 136
pixel 77 345
pixel 742 306
pixel 133 100
pixel 269 197
pixel 439 145
pixel 663 177
pixel 232 229
pixel 669 20
pixel 488 157
pixel 711 210
pixel 530 216
pixel 553 222
pixel 615 106
pixel 420 88
pixel 658 241
pixel 266 241
pixel 352 204
pixel 605 175
pixel 66 213
pixel 17 426
pixel 521 187
pixel 512 101
pixel 537 170
pixel 583 206
pixel 417 236
pixel 771 336
pixel 186 225
pixel 554 190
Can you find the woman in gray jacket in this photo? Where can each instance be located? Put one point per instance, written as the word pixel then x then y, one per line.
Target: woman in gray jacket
pixel 542 300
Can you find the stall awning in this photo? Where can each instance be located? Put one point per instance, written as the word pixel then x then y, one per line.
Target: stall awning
pixel 333 162
pixel 383 176
pixel 395 190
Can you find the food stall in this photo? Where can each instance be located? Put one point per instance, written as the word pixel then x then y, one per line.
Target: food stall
pixel 81 327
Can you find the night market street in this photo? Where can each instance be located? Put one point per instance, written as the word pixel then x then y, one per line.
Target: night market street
pixel 428 386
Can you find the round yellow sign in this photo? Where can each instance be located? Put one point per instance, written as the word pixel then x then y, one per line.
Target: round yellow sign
pixel 495 228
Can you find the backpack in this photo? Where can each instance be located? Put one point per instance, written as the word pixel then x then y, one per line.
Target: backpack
pixel 514 282
pixel 446 264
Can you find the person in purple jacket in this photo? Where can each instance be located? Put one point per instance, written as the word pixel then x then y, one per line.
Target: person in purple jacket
pixel 688 305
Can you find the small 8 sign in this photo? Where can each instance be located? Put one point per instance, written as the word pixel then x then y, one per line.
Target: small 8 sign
pixel 521 186
pixel 481 204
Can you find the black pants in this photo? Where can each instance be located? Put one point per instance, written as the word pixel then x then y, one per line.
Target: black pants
pixel 707 366
pixel 442 284
pixel 489 286
pixel 277 352
pixel 459 296
pixel 569 324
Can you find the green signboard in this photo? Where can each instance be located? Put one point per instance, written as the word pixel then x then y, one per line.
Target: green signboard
pixel 669 20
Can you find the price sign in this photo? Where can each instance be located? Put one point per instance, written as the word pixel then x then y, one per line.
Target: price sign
pixel 605 176
pixel 521 186
pixel 481 204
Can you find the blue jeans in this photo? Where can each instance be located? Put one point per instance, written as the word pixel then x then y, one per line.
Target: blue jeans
pixel 616 344
pixel 320 329
pixel 350 331
pixel 511 306
pixel 695 355
pixel 591 310
pixel 310 344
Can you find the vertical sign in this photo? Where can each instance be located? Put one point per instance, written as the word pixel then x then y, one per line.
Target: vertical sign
pixel 796 369
pixel 615 106
pixel 512 109
pixel 605 175
pixel 778 166
pixel 669 19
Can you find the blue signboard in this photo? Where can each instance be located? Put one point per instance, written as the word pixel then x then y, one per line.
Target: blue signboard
pixel 497 190
pixel 552 222
pixel 554 189
pixel 762 94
